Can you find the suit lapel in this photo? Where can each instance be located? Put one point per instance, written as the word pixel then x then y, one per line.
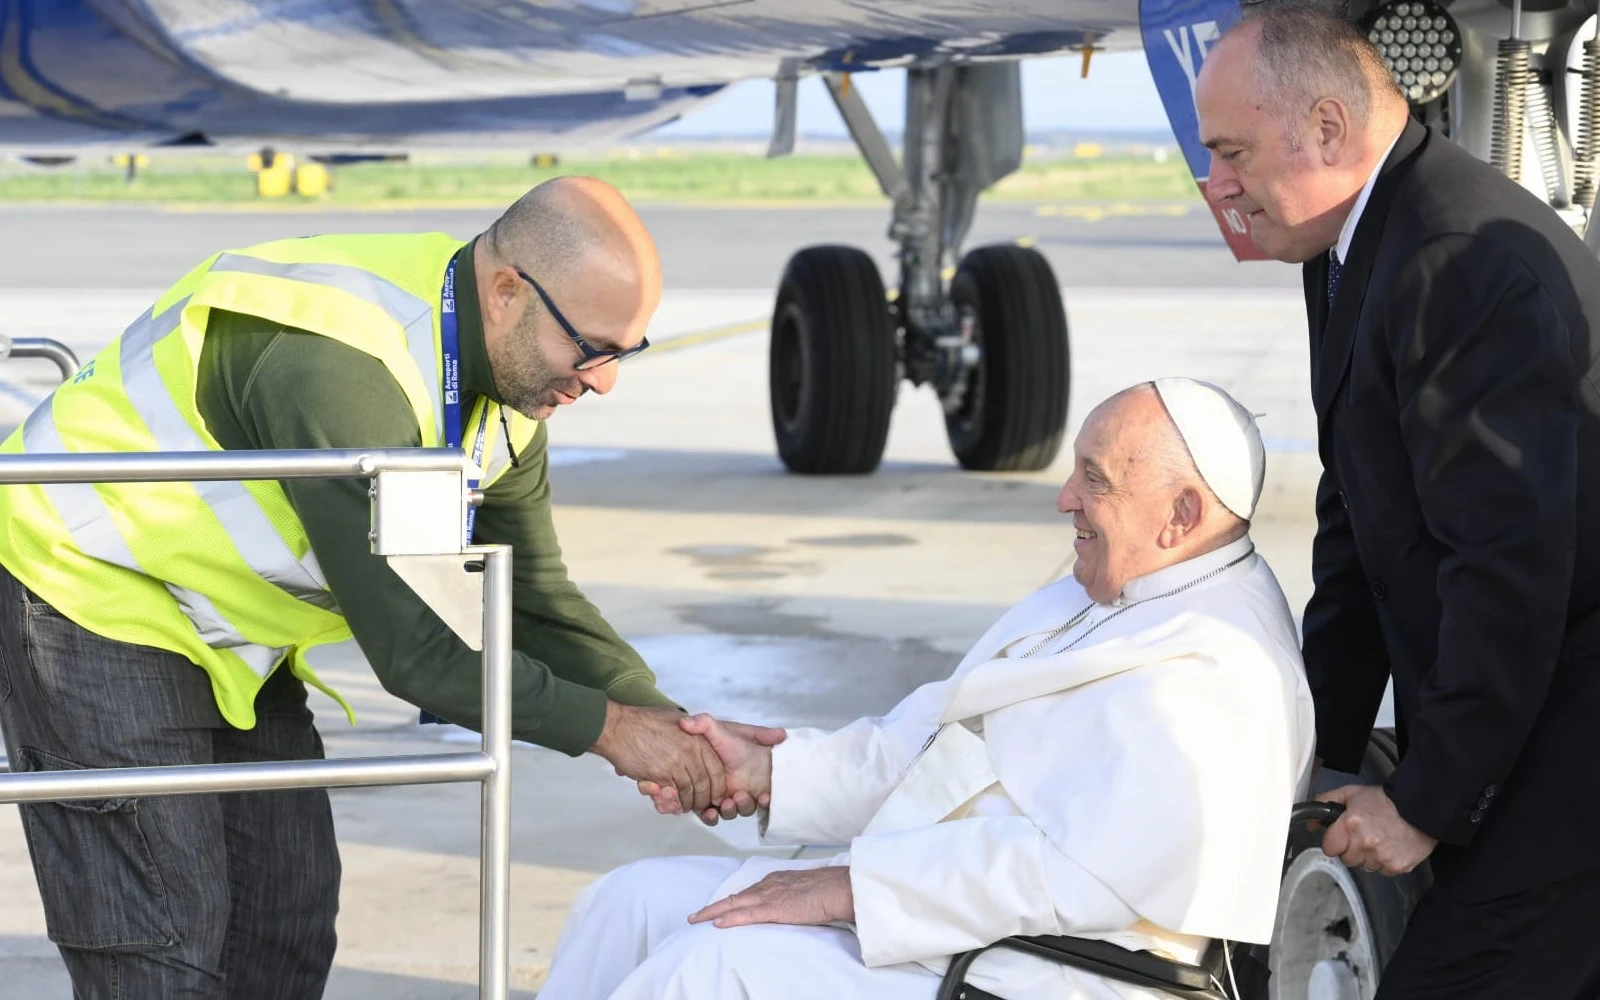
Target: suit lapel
pixel 1337 341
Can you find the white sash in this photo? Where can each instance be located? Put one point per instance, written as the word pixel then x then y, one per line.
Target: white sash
pixel 950 773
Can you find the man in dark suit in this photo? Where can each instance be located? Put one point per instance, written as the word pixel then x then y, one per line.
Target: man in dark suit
pixel 1453 321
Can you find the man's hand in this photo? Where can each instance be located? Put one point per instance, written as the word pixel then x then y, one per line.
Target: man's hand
pixel 746 755
pixel 1372 835
pixel 648 744
pixel 812 896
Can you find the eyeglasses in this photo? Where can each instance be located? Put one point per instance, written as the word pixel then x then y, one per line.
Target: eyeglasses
pixel 591 357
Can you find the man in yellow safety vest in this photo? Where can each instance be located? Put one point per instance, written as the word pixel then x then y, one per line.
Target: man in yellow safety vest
pixel 179 623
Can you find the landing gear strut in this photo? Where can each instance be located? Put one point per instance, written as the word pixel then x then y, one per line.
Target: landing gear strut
pixel 992 343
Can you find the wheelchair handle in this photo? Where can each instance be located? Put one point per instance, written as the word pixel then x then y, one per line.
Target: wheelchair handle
pixel 1316 812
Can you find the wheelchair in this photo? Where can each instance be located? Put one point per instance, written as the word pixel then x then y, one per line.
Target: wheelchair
pixel 1334 928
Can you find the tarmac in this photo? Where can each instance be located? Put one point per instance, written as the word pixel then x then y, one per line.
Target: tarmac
pixel 754 594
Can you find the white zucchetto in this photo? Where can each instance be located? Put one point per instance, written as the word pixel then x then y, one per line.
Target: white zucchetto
pixel 1222 438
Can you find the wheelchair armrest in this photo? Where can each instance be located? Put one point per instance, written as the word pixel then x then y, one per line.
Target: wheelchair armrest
pixel 1162 973
pixel 1140 968
pixel 1315 812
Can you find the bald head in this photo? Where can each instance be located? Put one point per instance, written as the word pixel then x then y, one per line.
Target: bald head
pixel 590 254
pixel 578 230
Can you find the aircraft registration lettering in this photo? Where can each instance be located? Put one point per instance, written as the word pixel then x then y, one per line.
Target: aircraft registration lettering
pixel 1178 35
pixel 1203 33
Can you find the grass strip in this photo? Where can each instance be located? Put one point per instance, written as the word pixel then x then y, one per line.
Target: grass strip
pixel 692 177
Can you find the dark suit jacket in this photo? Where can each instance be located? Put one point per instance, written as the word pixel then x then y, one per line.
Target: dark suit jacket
pixel 1457 546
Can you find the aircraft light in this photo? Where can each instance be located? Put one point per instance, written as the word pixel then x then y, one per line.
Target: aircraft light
pixel 1421 44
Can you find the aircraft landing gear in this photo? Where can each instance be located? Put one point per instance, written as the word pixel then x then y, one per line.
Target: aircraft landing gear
pixel 993 344
pixel 1007 412
pixel 832 362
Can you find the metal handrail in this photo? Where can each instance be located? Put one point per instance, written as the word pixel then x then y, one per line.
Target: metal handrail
pixel 42 347
pixel 218 466
pixel 490 766
pixel 278 775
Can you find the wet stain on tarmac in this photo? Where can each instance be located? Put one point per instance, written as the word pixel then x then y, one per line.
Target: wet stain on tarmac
pixel 748 618
pixel 722 555
pixel 747 574
pixel 789 680
pixel 762 663
pixel 864 541
pixel 742 562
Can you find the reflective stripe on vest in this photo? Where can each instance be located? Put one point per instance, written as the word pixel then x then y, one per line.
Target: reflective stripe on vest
pixel 95 533
pixel 232 504
pixel 409 312
pixel 208 569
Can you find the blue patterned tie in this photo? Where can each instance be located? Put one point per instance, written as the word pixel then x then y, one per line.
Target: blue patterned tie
pixel 1335 269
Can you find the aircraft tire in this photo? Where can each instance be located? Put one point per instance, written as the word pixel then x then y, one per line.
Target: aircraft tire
pixel 1014 412
pixel 1337 927
pixel 831 363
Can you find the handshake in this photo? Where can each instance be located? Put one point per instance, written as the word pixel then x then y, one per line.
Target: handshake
pixel 690 763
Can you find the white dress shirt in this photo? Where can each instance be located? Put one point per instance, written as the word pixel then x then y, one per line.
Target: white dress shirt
pixel 1347 235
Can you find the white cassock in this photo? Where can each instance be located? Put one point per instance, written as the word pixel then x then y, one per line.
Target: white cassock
pixel 1127 779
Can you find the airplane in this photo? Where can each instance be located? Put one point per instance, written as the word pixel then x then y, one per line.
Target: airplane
pixel 1513 82
pixel 1516 82
pixel 398 74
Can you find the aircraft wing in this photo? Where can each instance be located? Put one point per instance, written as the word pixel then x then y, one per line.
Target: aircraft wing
pixel 404 73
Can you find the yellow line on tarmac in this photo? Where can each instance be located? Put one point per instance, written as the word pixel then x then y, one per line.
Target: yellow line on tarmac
pixel 707 336
pixel 1122 209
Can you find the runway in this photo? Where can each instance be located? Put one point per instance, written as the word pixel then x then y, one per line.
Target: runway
pixel 1098 245
pixel 754 593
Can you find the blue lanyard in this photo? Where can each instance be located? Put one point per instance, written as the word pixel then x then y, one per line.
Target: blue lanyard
pixel 450 352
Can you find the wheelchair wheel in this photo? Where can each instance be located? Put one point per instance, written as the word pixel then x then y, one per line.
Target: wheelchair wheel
pixel 1336 927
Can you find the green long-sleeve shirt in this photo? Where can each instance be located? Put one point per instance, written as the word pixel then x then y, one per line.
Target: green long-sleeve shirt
pixel 262 385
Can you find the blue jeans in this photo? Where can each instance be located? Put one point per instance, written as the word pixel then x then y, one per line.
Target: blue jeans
pixel 175 897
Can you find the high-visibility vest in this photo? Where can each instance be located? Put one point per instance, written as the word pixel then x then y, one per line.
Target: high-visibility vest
pixel 222 573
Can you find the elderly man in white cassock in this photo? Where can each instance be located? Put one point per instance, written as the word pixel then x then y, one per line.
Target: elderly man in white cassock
pixel 1116 758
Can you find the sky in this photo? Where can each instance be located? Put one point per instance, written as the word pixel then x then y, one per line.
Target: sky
pixel 1118 95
